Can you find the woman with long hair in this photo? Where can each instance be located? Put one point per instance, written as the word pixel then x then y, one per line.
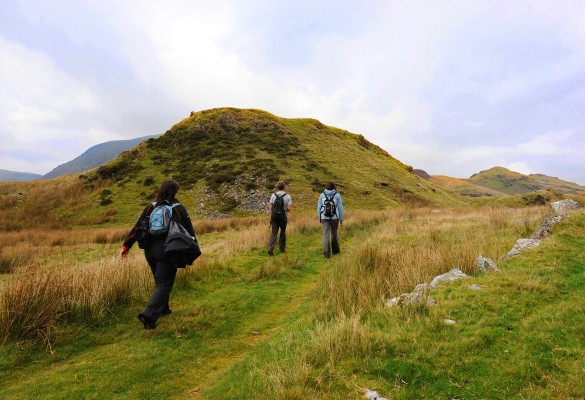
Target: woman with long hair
pixel 163 271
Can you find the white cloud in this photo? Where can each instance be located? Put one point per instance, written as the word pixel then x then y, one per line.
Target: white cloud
pixel 551 143
pixel 454 87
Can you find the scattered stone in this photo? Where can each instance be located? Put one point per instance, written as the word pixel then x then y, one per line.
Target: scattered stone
pixel 411 298
pixel 420 293
pixel 486 264
pixel 373 395
pixel 521 245
pixel 449 321
pixel 559 210
pixel 564 206
pixel 453 275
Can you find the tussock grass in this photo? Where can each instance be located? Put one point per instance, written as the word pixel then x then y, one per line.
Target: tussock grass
pixel 298 326
pixel 413 246
pixel 36 298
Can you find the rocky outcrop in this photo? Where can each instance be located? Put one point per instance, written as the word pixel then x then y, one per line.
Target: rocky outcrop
pixel 521 245
pixel 485 264
pixel 420 293
pixel 559 210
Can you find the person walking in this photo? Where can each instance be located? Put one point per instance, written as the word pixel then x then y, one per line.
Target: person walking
pixel 280 204
pixel 330 212
pixel 163 271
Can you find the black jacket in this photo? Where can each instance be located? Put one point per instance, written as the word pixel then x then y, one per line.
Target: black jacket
pixel 136 233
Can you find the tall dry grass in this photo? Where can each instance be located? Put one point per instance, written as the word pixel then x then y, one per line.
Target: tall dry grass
pixel 402 248
pixel 49 286
pixel 47 204
pixel 26 246
pixel 412 246
pixel 35 299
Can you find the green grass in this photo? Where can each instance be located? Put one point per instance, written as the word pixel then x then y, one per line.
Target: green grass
pixel 240 333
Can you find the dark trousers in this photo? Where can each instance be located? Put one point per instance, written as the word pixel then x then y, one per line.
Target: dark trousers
pixel 164 278
pixel 330 240
pixel 276 226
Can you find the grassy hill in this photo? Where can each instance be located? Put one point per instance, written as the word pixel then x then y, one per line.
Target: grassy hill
pixel 228 161
pixel 554 183
pixel 500 186
pixel 464 187
pixel 510 182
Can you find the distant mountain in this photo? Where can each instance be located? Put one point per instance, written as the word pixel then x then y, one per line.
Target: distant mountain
pixel 464 187
pixel 422 174
pixel 499 182
pixel 558 184
pixel 95 156
pixel 13 176
pixel 510 182
pixel 505 181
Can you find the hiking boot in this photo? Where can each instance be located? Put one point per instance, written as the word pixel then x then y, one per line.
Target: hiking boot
pixel 148 323
pixel 168 311
pixel 270 253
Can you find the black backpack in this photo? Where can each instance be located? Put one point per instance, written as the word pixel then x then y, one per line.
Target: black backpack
pixel 278 213
pixel 329 207
pixel 181 249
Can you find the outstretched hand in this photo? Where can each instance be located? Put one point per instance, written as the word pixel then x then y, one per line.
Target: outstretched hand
pixel 124 251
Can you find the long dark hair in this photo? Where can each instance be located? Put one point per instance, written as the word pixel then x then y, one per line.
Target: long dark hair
pixel 167 191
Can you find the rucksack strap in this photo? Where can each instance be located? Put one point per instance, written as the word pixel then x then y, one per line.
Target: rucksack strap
pixel 155 204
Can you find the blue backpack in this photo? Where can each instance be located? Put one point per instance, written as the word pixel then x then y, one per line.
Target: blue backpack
pixel 160 219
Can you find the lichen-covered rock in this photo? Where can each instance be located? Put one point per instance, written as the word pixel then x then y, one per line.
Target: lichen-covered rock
pixel 420 293
pixel 559 210
pixel 453 275
pixel 485 264
pixel 373 395
pixel 411 298
pixel 521 245
pixel 564 206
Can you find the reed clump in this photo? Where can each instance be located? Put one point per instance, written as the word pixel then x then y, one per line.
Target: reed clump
pixel 36 298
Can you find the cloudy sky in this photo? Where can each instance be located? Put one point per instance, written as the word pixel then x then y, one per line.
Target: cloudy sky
pixel 451 87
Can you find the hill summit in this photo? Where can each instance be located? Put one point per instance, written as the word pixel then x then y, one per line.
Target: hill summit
pixel 510 182
pixel 228 161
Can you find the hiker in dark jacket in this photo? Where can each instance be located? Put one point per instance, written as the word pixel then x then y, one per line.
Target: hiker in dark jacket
pixel 154 250
pixel 330 221
pixel 278 222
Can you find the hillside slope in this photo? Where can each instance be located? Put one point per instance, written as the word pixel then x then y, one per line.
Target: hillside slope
pixel 498 182
pixel 510 182
pixel 12 176
pixel 464 187
pixel 228 160
pixel 95 156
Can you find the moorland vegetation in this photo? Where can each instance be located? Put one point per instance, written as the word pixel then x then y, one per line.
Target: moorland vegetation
pixel 296 325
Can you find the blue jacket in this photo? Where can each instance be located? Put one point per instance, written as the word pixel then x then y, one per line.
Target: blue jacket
pixel 336 200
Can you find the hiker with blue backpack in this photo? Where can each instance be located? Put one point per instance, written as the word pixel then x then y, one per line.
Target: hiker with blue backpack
pixel 151 231
pixel 280 204
pixel 330 213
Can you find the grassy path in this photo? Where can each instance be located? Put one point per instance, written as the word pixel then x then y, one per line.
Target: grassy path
pixel 215 324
